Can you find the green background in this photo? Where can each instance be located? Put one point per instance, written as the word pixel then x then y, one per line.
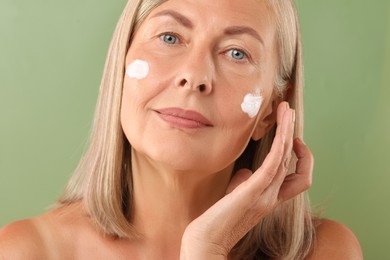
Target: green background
pixel 51 59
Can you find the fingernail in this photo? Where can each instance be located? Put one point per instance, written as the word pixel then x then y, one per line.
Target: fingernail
pixel 287 106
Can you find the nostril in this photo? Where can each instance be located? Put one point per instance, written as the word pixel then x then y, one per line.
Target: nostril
pixel 183 82
pixel 202 87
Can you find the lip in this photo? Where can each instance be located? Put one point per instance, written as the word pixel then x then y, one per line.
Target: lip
pixel 183 118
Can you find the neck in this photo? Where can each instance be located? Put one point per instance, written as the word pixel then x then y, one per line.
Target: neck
pixel 166 200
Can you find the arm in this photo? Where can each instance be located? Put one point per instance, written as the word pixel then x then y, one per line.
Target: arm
pixel 251 197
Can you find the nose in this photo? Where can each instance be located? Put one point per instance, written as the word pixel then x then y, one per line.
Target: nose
pixel 196 73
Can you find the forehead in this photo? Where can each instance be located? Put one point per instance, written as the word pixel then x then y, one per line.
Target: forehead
pixel 257 14
pixel 247 7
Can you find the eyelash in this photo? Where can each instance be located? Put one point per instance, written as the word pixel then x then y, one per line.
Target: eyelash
pixel 246 58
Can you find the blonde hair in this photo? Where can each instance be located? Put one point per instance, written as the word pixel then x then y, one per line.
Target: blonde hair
pixel 103 178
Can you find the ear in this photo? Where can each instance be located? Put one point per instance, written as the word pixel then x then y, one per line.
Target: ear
pixel 289 92
pixel 265 123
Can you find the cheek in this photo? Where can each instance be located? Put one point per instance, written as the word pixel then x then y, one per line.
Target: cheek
pixel 128 105
pixel 246 94
pixel 138 69
pixel 147 75
pixel 245 105
pixel 237 113
pixel 144 80
pixel 145 60
pixel 251 104
pixel 141 80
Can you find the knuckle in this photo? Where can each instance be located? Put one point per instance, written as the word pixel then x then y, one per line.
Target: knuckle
pixel 264 206
pixel 271 172
pixel 280 152
pixel 286 163
pixel 310 156
pixel 308 183
pixel 307 153
pixel 311 162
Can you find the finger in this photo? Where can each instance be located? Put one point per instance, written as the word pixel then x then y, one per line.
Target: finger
pixel 271 164
pixel 265 174
pixel 287 133
pixel 279 137
pixel 282 108
pixel 268 169
pixel 301 180
pixel 239 177
pixel 305 162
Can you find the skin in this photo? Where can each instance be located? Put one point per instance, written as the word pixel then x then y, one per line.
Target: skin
pixel 185 209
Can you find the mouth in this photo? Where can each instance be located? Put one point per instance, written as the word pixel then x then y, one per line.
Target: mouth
pixel 183 118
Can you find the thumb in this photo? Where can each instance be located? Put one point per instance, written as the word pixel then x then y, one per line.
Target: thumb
pixel 239 177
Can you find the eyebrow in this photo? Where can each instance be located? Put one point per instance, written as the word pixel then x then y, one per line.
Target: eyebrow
pixel 177 16
pixel 233 30
pixel 237 30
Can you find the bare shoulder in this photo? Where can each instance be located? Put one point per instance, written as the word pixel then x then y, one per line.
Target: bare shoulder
pixel 42 237
pixel 335 241
pixel 21 240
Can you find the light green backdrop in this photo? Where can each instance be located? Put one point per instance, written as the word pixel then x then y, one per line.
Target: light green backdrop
pixel 51 58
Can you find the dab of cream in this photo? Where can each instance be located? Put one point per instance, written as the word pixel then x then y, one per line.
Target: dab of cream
pixel 139 69
pixel 251 104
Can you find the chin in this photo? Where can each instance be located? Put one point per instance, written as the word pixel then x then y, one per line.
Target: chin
pixel 180 152
pixel 183 160
pixel 178 159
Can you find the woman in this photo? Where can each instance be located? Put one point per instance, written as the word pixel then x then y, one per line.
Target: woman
pixel 195 153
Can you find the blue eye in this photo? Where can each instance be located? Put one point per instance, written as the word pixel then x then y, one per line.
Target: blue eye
pixel 237 54
pixel 169 38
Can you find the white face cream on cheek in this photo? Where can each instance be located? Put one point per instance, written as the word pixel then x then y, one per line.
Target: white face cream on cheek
pixel 138 69
pixel 251 104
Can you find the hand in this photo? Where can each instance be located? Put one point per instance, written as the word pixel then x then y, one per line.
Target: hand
pixel 251 197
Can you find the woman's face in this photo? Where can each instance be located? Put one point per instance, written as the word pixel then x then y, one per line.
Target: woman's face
pixel 199 81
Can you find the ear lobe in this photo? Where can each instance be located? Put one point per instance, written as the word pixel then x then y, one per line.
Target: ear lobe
pixel 266 123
